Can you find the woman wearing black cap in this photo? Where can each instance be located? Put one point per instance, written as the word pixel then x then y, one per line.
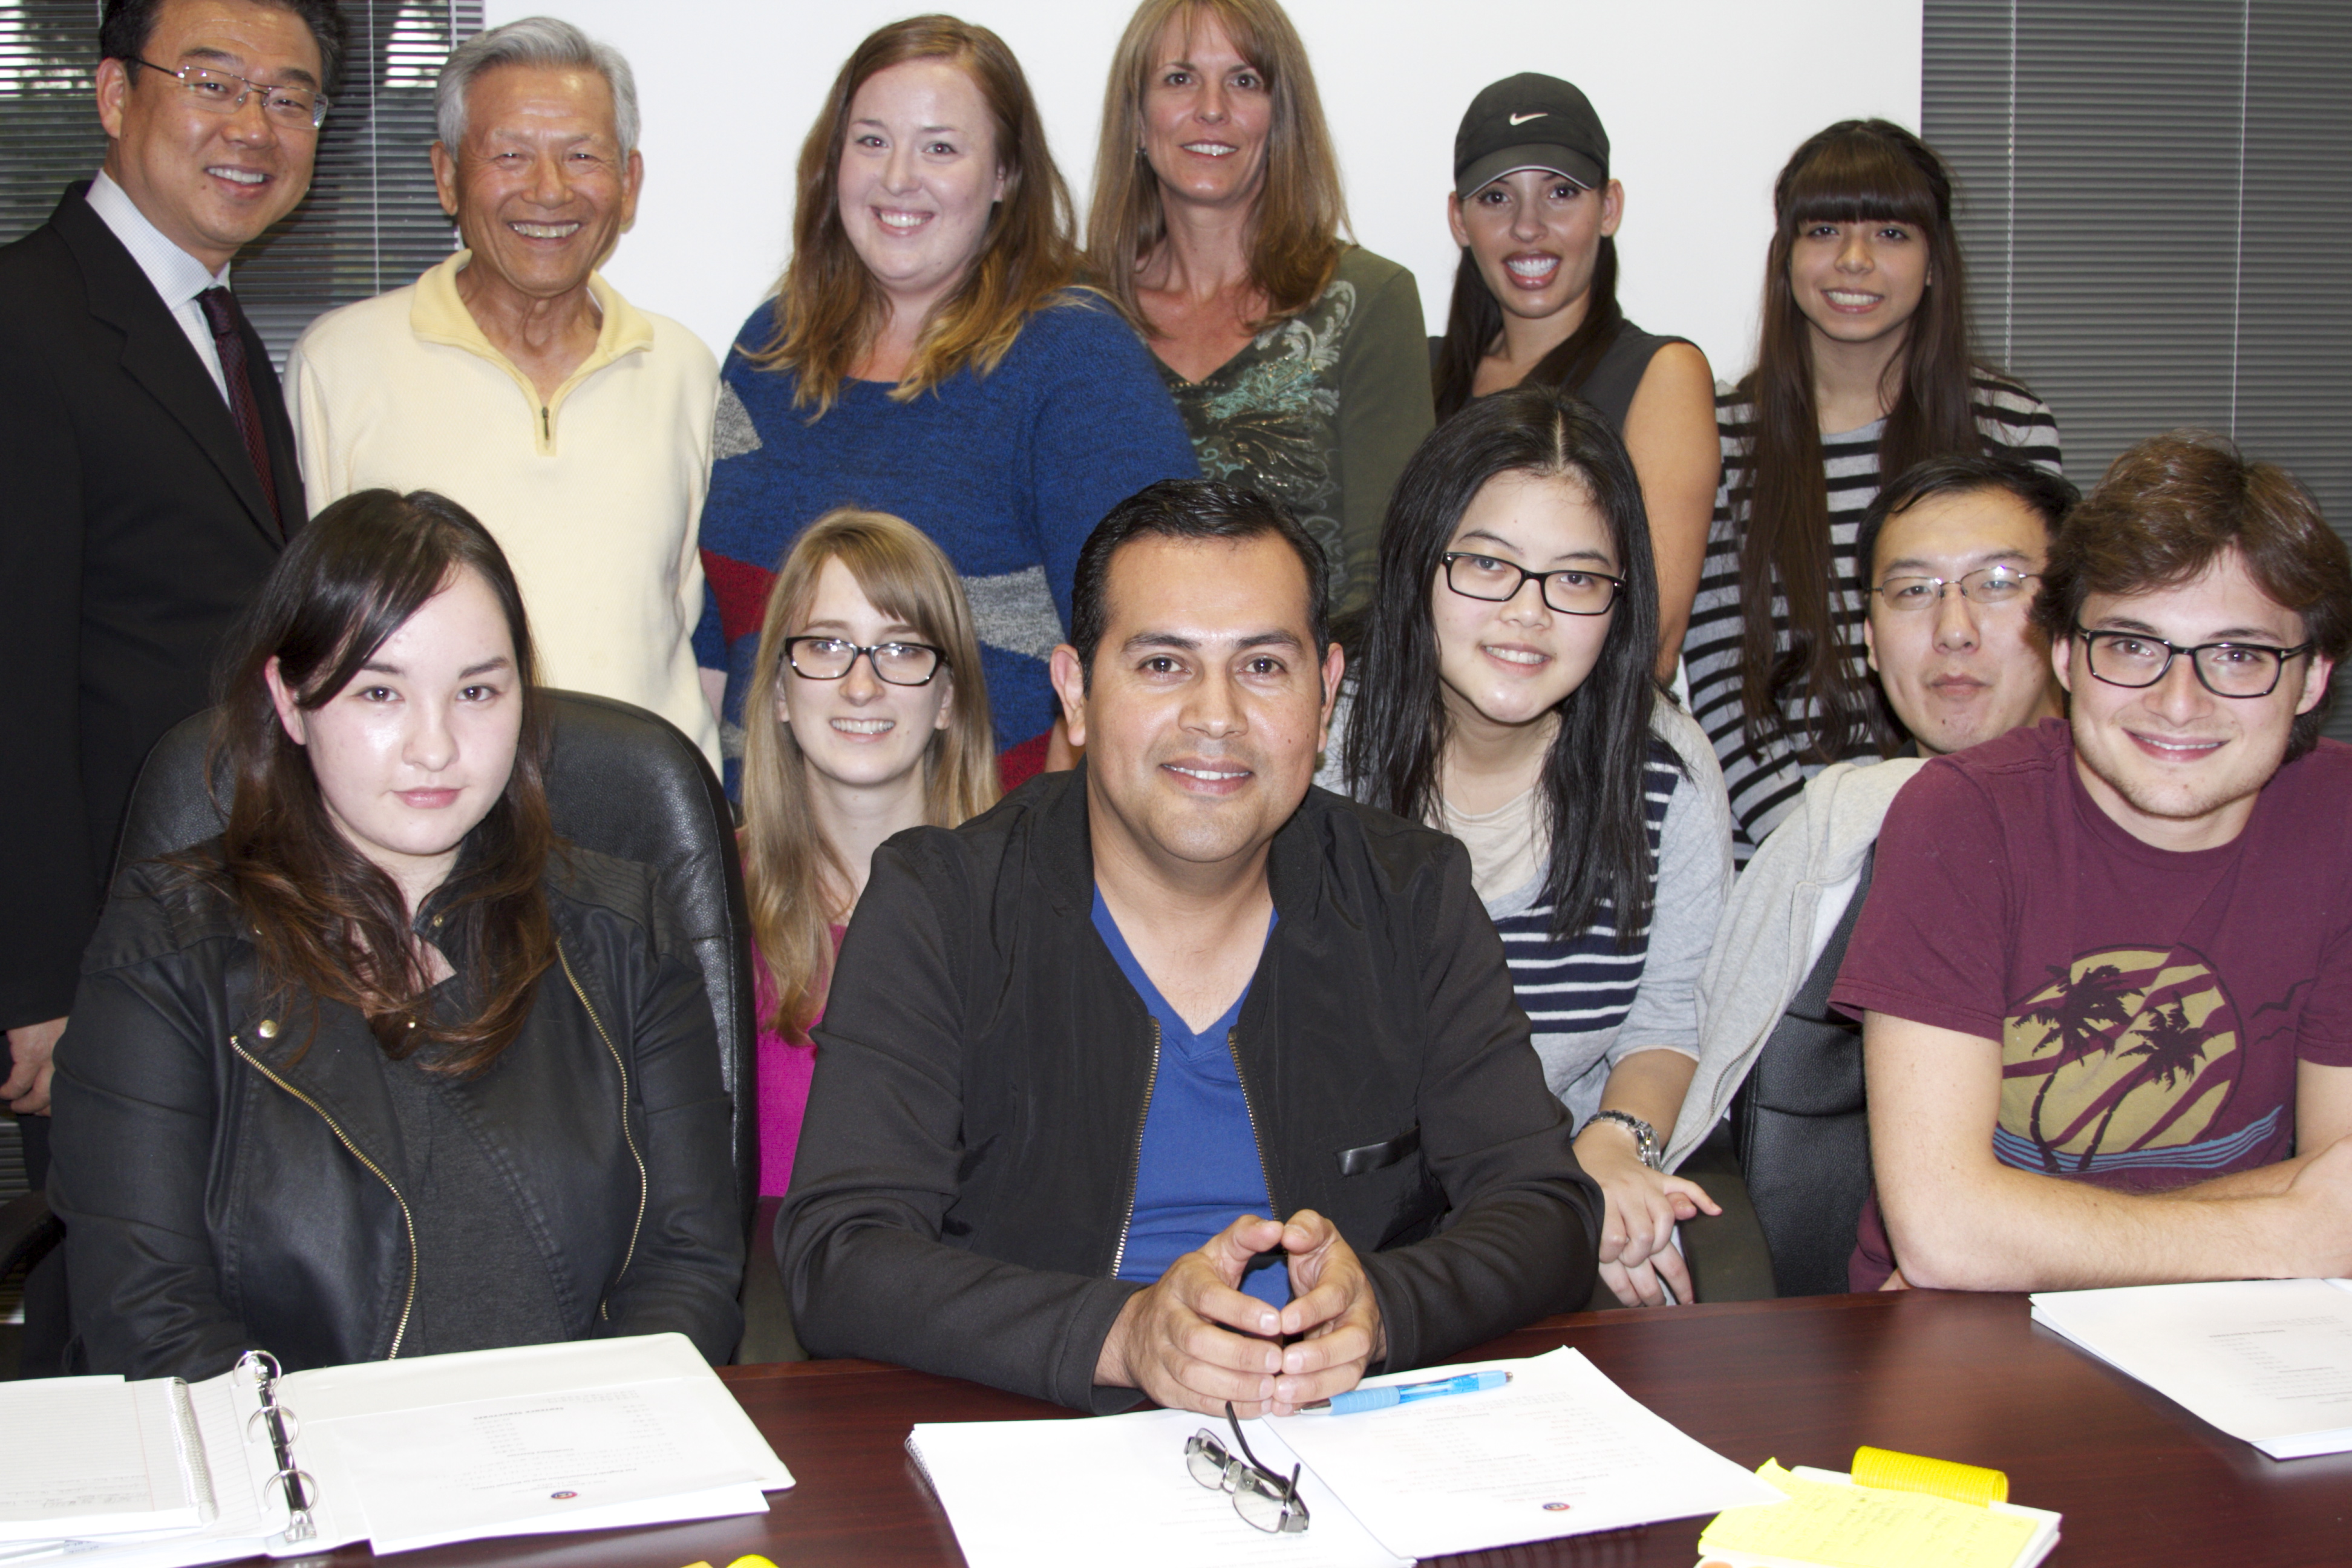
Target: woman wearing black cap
pixel 1535 299
pixel 1297 358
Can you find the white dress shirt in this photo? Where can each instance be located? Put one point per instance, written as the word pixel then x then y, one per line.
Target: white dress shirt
pixel 177 275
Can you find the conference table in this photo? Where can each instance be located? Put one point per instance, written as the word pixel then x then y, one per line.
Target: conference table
pixel 1965 1377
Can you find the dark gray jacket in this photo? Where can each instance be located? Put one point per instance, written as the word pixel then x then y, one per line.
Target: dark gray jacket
pixel 968 1163
pixel 221 1194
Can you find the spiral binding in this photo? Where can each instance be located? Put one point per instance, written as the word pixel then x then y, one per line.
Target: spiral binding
pixel 300 1485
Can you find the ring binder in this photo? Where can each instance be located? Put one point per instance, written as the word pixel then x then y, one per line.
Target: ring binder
pixel 299 1484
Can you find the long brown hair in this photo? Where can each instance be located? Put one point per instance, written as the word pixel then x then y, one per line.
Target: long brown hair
pixel 787 861
pixel 1295 242
pixel 829 310
pixel 1856 171
pixel 326 920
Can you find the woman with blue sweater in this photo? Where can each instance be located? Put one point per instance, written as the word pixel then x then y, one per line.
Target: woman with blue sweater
pixel 925 355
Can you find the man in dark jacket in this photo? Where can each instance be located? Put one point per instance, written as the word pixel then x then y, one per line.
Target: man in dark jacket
pixel 151 479
pixel 1067 1043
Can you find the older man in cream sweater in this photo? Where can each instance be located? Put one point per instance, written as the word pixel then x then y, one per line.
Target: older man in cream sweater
pixel 516 381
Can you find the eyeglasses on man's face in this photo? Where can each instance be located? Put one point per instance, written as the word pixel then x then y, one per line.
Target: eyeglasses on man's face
pixel 1570 590
pixel 1990 587
pixel 2134 659
pixel 223 92
pixel 1261 1497
pixel 895 663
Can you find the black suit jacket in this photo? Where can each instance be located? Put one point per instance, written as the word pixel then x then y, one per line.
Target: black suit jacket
pixel 133 532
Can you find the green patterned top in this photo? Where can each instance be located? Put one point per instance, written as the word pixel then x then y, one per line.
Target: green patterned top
pixel 1320 411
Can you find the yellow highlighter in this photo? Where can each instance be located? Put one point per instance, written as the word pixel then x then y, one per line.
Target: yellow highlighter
pixel 1935 1478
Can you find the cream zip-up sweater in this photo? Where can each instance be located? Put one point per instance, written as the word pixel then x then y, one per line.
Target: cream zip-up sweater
pixel 594 494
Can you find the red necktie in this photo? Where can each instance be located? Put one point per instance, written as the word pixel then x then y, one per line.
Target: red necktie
pixel 228 335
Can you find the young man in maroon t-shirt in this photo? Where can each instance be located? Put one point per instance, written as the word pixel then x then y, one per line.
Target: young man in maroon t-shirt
pixel 2104 972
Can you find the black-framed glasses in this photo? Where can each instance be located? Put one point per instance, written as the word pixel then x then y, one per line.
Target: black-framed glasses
pixel 1990 587
pixel 2135 660
pixel 224 92
pixel 1261 1497
pixel 895 663
pixel 1570 590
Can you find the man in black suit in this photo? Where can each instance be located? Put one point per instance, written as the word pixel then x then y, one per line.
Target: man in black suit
pixel 151 468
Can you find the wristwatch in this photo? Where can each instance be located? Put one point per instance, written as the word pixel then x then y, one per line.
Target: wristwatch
pixel 1645 1137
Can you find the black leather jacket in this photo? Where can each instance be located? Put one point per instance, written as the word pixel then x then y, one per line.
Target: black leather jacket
pixel 221 1194
pixel 966 1170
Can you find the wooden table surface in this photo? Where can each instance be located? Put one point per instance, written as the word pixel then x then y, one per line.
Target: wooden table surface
pixel 2140 1481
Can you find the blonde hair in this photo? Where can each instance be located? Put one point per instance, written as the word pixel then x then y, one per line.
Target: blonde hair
pixel 829 310
pixel 786 859
pixel 1294 240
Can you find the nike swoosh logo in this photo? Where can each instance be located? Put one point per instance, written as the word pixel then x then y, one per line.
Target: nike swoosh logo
pixel 1523 119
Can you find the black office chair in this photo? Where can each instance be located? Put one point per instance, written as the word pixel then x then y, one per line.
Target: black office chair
pixel 626 783
pixel 1802 1128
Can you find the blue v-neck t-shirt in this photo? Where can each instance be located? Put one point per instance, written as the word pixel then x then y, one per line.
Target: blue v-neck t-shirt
pixel 1199 1169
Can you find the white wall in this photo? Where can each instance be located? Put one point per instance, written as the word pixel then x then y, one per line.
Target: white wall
pixel 1704 100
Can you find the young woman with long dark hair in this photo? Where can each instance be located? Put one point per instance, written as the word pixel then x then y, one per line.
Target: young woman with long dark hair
pixel 384 1069
pixel 1505 694
pixel 1535 299
pixel 868 715
pixel 1863 367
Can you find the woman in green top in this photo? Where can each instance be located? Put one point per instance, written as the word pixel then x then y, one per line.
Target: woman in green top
pixel 1297 358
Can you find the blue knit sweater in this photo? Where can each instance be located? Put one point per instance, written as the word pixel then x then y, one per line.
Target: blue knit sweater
pixel 1007 472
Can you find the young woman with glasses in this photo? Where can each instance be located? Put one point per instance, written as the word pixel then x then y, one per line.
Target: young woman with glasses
pixel 1503 693
pixel 867 714
pixel 1864 368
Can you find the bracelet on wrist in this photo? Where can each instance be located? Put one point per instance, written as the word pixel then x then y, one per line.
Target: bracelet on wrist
pixel 1645 1137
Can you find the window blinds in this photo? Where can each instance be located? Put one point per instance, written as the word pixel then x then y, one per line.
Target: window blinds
pixel 371 221
pixel 2157 212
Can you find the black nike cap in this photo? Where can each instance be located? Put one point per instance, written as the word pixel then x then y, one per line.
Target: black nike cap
pixel 1529 121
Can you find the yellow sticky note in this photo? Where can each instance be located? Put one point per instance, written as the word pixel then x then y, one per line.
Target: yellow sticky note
pixel 751 1561
pixel 1841 1526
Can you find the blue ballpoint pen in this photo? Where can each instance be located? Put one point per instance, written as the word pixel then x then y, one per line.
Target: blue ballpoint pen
pixel 1357 1399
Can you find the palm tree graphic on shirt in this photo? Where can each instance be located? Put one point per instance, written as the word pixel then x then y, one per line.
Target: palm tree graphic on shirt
pixel 2123 1050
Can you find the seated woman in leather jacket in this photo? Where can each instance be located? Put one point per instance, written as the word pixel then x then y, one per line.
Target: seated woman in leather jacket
pixel 385 1069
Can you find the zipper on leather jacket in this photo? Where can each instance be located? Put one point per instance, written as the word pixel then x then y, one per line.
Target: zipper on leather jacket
pixel 1135 1163
pixel 408 1221
pixel 1249 1107
pixel 645 1184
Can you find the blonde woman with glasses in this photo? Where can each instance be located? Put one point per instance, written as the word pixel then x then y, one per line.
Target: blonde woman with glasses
pixel 867 714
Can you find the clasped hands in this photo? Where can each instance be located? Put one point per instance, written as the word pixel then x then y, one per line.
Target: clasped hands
pixel 1193 1341
pixel 1638 1259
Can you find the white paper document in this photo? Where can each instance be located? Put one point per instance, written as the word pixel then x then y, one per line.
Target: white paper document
pixel 1561 1450
pixel 588 1436
pixel 92 1456
pixel 2268 1361
pixel 1037 1494
pixel 528 1462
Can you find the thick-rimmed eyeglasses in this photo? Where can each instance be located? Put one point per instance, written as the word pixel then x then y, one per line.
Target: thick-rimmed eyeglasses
pixel 224 92
pixel 1992 586
pixel 895 663
pixel 1570 590
pixel 2135 660
pixel 1261 1497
